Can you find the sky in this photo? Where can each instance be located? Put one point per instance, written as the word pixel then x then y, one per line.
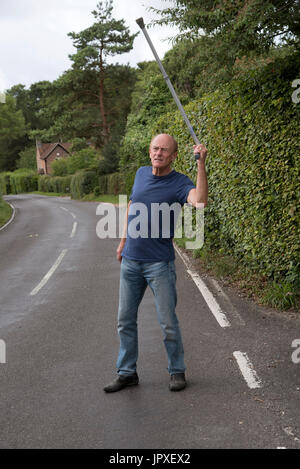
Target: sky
pixel 34 45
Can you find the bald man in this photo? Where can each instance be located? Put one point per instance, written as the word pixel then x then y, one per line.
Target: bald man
pixel 148 260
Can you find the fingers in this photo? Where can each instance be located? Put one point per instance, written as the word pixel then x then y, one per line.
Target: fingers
pixel 199 148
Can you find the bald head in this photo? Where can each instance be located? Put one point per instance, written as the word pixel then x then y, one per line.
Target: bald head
pixel 168 139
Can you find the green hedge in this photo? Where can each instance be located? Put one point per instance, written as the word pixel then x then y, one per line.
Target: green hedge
pixel 18 182
pixel 251 129
pixel 116 183
pixel 82 183
pixel 5 187
pixel 57 184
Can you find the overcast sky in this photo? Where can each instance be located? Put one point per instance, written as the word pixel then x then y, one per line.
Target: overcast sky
pixel 34 45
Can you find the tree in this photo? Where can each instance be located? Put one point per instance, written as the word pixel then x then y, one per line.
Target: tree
pixel 242 25
pixel 223 39
pixel 106 37
pixel 73 105
pixel 32 102
pixel 27 158
pixel 12 133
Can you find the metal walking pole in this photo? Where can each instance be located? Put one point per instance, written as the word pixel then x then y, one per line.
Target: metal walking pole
pixel 141 24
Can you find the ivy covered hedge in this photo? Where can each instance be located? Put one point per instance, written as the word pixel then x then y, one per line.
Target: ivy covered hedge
pixel 251 129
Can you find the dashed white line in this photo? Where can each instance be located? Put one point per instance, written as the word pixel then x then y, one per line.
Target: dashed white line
pixel 74 229
pixel 49 274
pixel 247 370
pixel 66 210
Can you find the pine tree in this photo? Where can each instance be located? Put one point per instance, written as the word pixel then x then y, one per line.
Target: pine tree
pixel 106 37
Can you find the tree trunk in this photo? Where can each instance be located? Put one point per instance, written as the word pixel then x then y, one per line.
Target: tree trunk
pixel 101 100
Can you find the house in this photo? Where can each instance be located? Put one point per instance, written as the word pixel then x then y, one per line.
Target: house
pixel 46 153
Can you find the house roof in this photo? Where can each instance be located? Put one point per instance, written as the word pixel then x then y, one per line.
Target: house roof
pixel 46 148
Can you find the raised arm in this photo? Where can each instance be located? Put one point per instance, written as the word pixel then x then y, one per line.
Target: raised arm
pixel 200 194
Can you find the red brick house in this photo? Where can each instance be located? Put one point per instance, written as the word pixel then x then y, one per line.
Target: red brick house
pixel 46 153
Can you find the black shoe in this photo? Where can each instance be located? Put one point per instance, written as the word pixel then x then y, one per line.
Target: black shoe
pixel 121 382
pixel 177 382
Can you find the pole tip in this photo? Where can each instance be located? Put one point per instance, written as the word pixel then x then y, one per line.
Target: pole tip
pixel 140 22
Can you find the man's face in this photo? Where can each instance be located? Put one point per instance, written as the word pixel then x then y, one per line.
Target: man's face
pixel 162 152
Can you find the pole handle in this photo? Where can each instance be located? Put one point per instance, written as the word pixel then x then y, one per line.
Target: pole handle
pixel 140 22
pixel 197 156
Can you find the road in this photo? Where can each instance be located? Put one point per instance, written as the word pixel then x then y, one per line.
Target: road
pixel 59 297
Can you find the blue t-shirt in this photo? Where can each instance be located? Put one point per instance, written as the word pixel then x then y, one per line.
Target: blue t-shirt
pixel 155 202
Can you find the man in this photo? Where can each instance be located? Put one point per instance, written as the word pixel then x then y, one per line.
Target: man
pixel 150 260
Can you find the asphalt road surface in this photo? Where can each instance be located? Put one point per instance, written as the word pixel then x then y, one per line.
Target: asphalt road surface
pixel 58 348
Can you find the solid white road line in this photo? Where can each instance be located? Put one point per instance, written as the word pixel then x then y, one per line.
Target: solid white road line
pixel 49 274
pixel 210 300
pixel 233 311
pixel 11 218
pixel 207 295
pixel 247 370
pixel 74 229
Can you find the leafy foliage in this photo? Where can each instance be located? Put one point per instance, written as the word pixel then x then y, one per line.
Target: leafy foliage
pixel 87 158
pixel 251 130
pixel 12 133
pixel 240 26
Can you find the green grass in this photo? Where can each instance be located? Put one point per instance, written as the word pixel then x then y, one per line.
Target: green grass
pixel 111 199
pixel 282 294
pixel 5 212
pixel 50 194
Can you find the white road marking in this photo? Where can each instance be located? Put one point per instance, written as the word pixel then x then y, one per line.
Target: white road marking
pixel 49 274
pixel 210 300
pixel 11 218
pixel 74 229
pixel 207 295
pixel 233 311
pixel 66 210
pixel 247 370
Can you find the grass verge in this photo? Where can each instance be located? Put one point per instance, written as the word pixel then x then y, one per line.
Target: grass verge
pixel 281 295
pixel 5 212
pixel 111 199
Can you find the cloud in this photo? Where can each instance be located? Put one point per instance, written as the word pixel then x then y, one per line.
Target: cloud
pixel 34 45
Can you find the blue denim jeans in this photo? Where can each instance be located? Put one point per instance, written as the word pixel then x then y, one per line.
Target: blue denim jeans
pixel 134 279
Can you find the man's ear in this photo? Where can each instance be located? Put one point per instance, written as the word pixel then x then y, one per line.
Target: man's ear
pixel 174 156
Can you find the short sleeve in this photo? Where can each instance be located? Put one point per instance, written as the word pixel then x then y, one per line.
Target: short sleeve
pixel 184 185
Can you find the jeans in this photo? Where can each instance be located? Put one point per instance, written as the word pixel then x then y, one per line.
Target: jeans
pixel 161 278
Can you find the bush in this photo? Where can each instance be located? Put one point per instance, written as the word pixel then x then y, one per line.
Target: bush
pixel 86 158
pixel 55 184
pixel 5 187
pixel 60 167
pixel 83 183
pixel 23 180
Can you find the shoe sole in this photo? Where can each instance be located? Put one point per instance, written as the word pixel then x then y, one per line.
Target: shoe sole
pixel 120 388
pixel 177 389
